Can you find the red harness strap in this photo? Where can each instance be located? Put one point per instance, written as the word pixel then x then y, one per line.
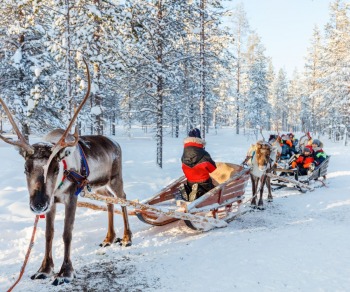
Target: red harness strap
pixel 64 171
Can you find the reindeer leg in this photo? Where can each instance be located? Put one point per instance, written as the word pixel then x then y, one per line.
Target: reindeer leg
pixel 268 183
pixel 66 274
pixel 47 267
pixel 117 189
pixel 254 181
pixel 126 241
pixel 110 237
pixel 261 202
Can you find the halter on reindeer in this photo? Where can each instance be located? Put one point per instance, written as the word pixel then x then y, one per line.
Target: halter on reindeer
pixel 61 156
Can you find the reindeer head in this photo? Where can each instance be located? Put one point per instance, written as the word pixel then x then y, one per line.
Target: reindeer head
pixel 42 159
pixel 262 154
pixel 40 191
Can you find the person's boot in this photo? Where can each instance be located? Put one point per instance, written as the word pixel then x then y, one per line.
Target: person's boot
pixel 183 192
pixel 193 193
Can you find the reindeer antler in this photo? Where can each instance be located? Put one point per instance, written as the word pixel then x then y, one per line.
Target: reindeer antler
pixel 21 142
pixel 62 143
pixel 262 134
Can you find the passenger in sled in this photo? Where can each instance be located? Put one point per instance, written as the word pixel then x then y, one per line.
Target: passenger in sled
pixel 318 153
pixel 294 143
pixel 287 147
pixel 305 163
pixel 196 165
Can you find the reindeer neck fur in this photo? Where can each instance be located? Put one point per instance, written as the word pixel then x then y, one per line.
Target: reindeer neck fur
pixel 102 155
pixel 72 159
pixel 71 156
pixel 256 170
pixel 276 150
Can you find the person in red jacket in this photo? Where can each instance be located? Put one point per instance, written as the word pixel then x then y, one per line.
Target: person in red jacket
pixel 304 162
pixel 196 165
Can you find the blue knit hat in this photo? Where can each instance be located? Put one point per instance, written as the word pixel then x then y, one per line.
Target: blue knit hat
pixel 194 133
pixel 316 142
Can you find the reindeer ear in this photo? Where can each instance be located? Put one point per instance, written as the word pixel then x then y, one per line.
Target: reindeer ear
pixel 23 153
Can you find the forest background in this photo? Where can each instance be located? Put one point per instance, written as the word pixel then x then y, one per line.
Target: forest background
pixel 168 66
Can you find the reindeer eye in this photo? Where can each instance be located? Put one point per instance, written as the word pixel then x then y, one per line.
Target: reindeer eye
pixel 26 171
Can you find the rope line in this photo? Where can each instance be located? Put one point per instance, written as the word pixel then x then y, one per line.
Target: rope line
pixel 31 244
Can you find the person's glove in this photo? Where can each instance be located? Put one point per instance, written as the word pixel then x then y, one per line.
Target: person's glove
pixel 312 166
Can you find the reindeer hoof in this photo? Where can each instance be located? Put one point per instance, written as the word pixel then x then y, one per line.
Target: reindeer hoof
pixel 253 206
pixel 261 208
pixel 63 277
pixel 123 242
pixel 39 276
pixel 105 244
pixel 60 281
pixel 270 200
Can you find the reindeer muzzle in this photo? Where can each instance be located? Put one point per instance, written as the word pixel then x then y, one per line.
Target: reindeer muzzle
pixel 39 203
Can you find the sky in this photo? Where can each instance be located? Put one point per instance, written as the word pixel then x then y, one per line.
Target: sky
pixel 285 27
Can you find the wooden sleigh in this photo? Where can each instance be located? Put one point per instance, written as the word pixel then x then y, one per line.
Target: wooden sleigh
pixel 214 209
pixel 284 177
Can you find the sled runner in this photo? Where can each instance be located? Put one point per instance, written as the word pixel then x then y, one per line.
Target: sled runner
pixel 221 203
pixel 285 177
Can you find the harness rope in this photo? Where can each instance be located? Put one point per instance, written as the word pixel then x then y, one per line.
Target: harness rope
pixel 31 244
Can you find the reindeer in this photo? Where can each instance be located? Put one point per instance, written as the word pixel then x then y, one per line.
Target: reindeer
pixel 87 161
pixel 261 157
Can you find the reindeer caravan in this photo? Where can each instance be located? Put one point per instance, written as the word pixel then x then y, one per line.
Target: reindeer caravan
pixel 289 174
pixel 91 166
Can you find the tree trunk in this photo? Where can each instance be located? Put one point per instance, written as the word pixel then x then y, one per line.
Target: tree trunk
pixel 202 105
pixel 68 64
pixel 159 131
pixel 24 122
pixel 237 96
pixel 97 74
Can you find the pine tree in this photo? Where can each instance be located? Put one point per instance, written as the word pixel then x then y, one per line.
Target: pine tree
pixel 313 78
pixel 241 29
pixel 280 101
pixel 26 66
pixel 336 69
pixel 257 98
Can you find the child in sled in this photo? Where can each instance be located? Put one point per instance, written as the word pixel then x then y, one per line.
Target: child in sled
pixel 305 162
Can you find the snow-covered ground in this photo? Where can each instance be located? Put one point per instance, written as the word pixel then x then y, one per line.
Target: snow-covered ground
pixel 299 243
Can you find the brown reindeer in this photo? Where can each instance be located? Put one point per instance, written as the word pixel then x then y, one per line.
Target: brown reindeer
pixel 46 166
pixel 262 159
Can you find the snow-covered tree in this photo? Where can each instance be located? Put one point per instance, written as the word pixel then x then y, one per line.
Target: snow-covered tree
pixel 335 63
pixel 313 80
pixel 240 33
pixel 280 102
pixel 257 105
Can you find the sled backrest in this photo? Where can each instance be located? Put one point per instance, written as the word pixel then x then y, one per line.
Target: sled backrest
pixel 223 172
pixel 230 181
pixel 320 171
